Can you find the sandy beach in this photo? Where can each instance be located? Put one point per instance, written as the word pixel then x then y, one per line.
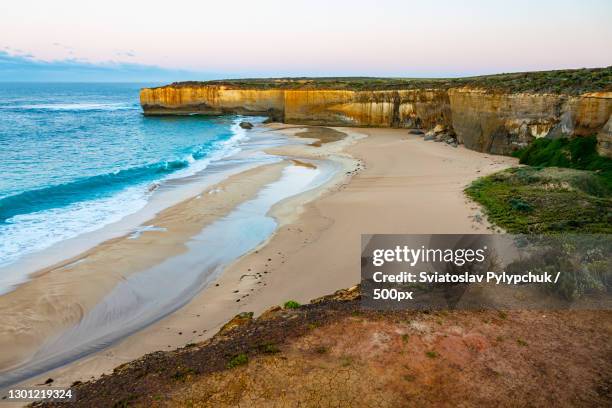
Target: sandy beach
pixel 391 182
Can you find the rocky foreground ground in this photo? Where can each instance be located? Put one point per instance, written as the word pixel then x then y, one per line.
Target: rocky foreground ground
pixel 331 353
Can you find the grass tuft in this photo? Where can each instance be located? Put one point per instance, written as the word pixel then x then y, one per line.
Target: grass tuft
pixel 238 360
pixel 291 304
pixel 521 342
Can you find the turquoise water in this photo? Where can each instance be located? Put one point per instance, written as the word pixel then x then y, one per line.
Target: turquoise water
pixel 76 157
pixel 147 296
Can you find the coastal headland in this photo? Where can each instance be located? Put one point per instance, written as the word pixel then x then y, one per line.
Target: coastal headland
pixel 497 113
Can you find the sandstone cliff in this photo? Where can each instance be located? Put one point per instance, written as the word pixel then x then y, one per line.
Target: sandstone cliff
pixel 211 100
pixel 500 123
pixel 487 120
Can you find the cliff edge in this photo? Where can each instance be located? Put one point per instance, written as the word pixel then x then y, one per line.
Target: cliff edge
pixel 332 353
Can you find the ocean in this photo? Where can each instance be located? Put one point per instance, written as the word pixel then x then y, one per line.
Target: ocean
pixel 77 157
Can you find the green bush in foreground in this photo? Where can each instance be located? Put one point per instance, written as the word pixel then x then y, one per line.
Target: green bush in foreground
pixel 291 304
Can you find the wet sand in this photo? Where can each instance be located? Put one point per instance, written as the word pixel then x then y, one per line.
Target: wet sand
pixel 61 295
pixel 392 182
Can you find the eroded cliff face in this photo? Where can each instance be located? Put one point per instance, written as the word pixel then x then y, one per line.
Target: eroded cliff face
pixel 480 119
pixel 212 100
pixel 501 123
pixel 405 108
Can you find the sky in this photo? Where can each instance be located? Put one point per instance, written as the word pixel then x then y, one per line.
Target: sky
pixel 127 40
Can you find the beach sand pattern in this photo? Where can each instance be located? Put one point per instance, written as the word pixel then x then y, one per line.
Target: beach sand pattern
pixel 389 182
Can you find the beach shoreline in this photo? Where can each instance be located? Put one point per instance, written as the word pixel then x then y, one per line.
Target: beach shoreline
pixel 58 327
pixel 391 182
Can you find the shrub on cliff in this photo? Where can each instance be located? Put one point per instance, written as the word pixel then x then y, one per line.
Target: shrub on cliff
pixel 576 153
pixel 238 360
pixel 583 261
pixel 291 304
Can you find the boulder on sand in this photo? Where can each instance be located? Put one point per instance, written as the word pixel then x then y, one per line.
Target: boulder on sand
pixel 246 125
pixel 439 137
pixel 429 136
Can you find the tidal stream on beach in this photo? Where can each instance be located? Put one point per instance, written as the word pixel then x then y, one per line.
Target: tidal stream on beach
pixel 146 296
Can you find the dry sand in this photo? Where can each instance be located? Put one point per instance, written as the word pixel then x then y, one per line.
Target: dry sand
pixel 396 183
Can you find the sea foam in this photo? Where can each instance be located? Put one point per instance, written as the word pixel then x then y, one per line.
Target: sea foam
pixel 36 219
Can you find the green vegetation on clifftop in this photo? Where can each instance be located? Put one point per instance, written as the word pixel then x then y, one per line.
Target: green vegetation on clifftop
pixel 570 81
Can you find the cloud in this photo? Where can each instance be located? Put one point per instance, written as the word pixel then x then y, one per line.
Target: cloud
pixel 17 68
pixel 60 45
pixel 129 54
